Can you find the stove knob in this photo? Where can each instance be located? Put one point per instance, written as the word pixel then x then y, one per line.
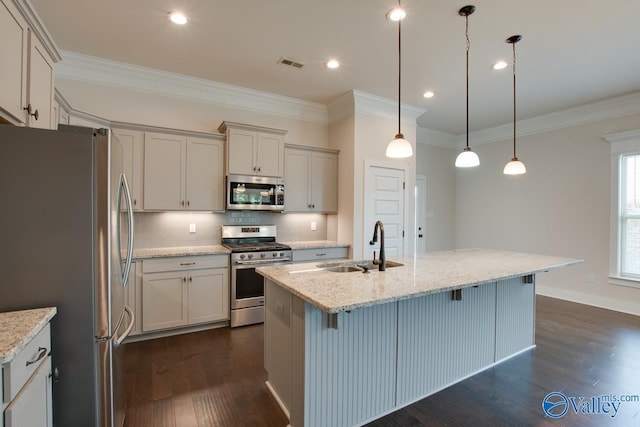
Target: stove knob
pixel 242 256
pixel 281 253
pixel 262 255
pixel 275 254
pixel 250 256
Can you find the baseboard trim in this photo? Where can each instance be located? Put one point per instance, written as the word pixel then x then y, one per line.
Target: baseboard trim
pixel 280 402
pixel 628 307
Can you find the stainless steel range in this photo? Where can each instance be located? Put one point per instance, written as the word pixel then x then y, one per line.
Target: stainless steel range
pixel 251 246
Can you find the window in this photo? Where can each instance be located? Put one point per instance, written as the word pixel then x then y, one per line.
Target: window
pixel 629 222
pixel 624 260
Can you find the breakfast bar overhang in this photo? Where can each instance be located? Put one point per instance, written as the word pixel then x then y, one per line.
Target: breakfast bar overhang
pixel 345 348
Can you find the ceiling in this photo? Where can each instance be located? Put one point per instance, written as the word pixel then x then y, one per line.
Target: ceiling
pixel 572 52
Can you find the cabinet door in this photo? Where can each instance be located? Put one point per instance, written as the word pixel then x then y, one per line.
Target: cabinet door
pixel 208 295
pixel 324 182
pixel 41 84
pixel 13 66
pixel 270 155
pixel 205 174
pixel 164 300
pixel 241 152
pixel 32 406
pixel 133 145
pixel 297 185
pixel 164 166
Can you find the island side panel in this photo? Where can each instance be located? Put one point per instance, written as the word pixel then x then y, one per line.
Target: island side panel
pixel 277 340
pixel 441 341
pixel 515 316
pixel 350 372
pixel 298 391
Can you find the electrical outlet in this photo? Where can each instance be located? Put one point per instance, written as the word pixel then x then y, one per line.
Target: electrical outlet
pixel 591 278
pixel 279 307
pixel 192 228
pixel 313 226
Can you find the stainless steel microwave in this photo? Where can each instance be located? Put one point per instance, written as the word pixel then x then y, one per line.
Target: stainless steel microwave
pixel 259 193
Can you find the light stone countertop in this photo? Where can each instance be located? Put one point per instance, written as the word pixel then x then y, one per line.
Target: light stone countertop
pixel 423 274
pixel 316 244
pixel 18 328
pixel 179 251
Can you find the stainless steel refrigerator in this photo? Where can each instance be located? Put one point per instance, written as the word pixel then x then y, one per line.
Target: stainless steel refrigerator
pixel 66 227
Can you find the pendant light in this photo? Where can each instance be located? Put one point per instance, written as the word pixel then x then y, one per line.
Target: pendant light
pixel 399 147
pixel 467 158
pixel 515 166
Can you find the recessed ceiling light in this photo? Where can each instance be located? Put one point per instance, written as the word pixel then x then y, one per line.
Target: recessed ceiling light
pixel 333 63
pixel 178 18
pixel 499 65
pixel 397 14
pixel 428 94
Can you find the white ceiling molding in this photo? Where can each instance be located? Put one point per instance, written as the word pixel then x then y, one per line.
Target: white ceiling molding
pixel 91 69
pixel 342 107
pixel 600 110
pixel 373 105
pixel 433 137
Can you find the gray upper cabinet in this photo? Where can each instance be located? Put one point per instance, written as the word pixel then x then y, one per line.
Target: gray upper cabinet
pixel 254 150
pixel 311 179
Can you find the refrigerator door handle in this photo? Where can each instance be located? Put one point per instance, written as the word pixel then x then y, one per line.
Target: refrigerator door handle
pixel 117 340
pixel 124 187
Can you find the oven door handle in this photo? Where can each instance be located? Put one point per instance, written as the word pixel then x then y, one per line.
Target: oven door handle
pixel 258 262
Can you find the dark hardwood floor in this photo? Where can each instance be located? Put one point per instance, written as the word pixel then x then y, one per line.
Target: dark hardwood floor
pixel 216 378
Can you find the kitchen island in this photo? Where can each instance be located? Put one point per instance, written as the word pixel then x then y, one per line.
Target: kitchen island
pixel 345 348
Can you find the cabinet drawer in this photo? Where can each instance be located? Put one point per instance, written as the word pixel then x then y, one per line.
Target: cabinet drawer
pixel 19 370
pixel 300 255
pixel 184 263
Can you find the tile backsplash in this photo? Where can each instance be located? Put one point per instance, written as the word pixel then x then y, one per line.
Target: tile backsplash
pixel 166 229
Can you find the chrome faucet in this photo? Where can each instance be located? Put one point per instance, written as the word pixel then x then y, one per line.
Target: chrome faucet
pixel 381 261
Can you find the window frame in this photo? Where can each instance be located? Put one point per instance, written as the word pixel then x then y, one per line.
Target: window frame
pixel 621 144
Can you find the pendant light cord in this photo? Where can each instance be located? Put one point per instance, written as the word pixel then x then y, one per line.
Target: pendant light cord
pixel 514 100
pixel 399 70
pixel 466 32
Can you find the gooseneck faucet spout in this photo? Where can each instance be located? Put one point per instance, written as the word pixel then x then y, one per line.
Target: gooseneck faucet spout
pixel 381 261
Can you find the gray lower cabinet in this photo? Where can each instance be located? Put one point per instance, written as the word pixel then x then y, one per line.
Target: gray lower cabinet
pixel 184 291
pixel 319 254
pixel 26 385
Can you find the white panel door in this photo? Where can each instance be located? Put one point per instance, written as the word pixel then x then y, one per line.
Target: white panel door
pixel 324 182
pixel 133 145
pixel 241 152
pixel 13 66
pixel 41 84
pixel 208 295
pixel 270 155
pixel 384 201
pixel 297 184
pixel 164 300
pixel 421 214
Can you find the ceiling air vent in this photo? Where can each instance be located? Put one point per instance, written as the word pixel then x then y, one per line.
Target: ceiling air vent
pixel 290 63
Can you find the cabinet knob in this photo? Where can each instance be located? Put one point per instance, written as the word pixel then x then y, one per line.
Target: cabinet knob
pixel 313 206
pixel 135 202
pixel 182 203
pixel 259 168
pixel 184 279
pixel 254 168
pixel 188 203
pixel 190 279
pixel 29 110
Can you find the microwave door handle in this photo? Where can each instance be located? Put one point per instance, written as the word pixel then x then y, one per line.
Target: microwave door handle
pixel 124 185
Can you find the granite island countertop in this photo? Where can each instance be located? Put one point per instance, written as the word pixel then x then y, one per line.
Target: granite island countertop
pixel 423 274
pixel 18 328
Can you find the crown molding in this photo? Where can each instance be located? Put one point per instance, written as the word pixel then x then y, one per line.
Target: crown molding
pixel 80 67
pixel 609 108
pixel 436 138
pixel 623 142
pixel 366 103
pixel 35 22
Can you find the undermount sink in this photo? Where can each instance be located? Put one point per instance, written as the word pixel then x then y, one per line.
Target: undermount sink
pixel 351 266
pixel 343 269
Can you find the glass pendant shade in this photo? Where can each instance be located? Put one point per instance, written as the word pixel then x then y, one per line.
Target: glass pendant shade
pixel 467 159
pixel 399 148
pixel 514 167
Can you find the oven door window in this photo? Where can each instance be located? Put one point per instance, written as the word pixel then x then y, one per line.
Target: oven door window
pixel 249 284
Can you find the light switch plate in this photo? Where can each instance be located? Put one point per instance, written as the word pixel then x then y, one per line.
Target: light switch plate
pixel 192 228
pixel 313 226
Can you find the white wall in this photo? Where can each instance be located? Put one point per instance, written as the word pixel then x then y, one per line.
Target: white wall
pixel 559 207
pixel 341 136
pixel 437 163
